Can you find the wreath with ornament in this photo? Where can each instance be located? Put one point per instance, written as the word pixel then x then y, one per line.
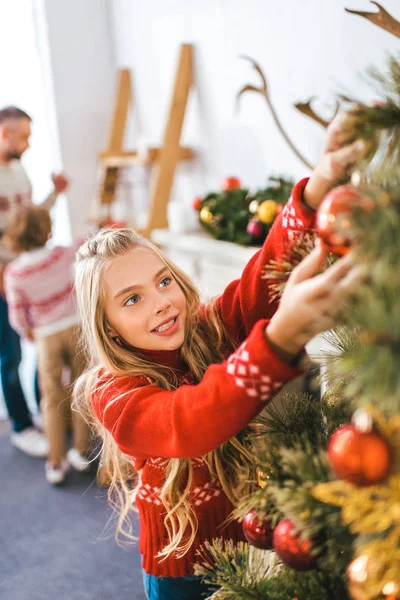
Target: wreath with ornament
pixel 236 215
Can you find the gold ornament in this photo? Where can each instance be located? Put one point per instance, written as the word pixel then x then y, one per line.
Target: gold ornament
pixel 375 512
pixel 262 479
pixel 364 576
pixel 357 575
pixel 206 215
pixel 391 590
pixel 267 211
pixel 254 206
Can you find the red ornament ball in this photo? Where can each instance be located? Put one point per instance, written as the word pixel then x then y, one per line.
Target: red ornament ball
pixel 196 203
pixel 293 552
pixel 255 228
pixel 334 217
pixel 358 457
pixel 112 224
pixel 231 183
pixel 257 533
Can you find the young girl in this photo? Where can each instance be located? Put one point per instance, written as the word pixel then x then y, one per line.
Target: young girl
pixel 42 308
pixel 174 382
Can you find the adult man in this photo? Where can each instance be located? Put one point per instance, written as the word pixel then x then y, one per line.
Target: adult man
pixel 15 194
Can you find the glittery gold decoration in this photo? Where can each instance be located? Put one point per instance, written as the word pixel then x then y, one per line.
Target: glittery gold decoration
pixel 364 577
pixel 206 216
pixel 262 479
pixel 373 511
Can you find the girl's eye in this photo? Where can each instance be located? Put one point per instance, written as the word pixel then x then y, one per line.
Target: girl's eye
pixel 132 300
pixel 166 281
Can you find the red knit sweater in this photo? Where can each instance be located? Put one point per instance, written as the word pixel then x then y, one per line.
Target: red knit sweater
pixel 152 424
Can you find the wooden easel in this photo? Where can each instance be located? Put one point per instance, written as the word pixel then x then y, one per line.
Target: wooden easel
pixel 164 159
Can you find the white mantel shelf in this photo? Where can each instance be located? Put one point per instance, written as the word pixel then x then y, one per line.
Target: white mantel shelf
pixel 211 263
pixel 199 242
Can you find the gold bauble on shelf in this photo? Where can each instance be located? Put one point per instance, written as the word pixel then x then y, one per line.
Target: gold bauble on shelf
pixel 206 215
pixel 267 211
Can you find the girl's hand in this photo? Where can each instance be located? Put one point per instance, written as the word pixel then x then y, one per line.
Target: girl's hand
pixel 338 158
pixel 311 302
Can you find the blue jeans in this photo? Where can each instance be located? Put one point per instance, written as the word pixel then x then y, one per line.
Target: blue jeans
pixel 10 358
pixel 175 588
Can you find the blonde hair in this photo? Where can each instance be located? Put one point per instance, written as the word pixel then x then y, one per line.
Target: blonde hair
pixel 205 342
pixel 28 229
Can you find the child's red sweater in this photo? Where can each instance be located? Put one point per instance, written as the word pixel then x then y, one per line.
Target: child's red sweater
pixel 151 424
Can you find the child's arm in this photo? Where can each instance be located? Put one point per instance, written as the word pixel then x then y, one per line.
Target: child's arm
pixel 194 419
pixel 18 315
pixel 247 299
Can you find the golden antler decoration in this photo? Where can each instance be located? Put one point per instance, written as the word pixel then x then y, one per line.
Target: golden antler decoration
pixel 381 18
pixel 263 90
pixel 306 109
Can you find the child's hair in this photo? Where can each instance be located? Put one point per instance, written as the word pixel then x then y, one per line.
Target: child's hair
pixel 203 345
pixel 29 229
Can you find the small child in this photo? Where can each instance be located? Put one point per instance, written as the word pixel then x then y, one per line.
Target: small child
pixel 41 304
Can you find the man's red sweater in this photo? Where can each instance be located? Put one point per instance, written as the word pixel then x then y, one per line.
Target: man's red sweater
pixel 151 424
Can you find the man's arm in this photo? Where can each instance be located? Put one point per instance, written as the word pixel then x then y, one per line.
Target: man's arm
pixel 60 185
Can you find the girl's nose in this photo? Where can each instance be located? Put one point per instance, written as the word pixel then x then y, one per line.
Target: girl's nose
pixel 161 305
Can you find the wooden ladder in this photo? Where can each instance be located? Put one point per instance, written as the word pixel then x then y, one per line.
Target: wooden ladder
pixel 164 160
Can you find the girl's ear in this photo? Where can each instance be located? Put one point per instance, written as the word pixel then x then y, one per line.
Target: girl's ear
pixel 112 333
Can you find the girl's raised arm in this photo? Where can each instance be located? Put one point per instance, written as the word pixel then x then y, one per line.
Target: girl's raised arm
pixel 247 299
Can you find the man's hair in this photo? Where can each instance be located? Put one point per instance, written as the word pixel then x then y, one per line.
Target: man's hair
pixel 13 112
pixel 29 229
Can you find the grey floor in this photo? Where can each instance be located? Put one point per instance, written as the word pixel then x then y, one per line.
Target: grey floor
pixel 57 543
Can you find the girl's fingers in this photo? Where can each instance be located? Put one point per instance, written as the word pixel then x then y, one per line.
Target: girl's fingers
pixel 310 265
pixel 348 155
pixel 324 284
pixel 353 278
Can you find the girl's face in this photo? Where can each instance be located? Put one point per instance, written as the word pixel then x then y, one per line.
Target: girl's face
pixel 143 303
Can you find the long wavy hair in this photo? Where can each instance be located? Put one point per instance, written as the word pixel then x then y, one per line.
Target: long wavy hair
pixel 205 342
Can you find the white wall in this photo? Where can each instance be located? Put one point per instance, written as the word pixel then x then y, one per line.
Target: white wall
pixel 307 48
pixel 78 55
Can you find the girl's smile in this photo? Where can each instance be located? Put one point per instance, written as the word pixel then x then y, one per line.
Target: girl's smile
pixel 167 327
pixel 143 302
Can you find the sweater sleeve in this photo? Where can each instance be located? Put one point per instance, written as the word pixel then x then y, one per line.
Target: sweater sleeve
pixel 18 313
pixel 50 200
pixel 192 420
pixel 246 300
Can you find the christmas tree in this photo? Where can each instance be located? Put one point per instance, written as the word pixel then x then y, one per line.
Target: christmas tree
pixel 323 521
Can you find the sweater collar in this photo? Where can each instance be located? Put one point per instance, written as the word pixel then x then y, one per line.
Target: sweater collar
pixel 167 358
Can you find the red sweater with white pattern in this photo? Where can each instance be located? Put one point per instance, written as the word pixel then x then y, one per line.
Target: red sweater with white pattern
pixel 39 288
pixel 152 424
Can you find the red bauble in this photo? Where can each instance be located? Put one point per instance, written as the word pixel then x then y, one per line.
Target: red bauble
pixel 255 228
pixel 334 217
pixel 293 552
pixel 360 458
pixel 196 203
pixel 112 224
pixel 231 183
pixel 257 533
